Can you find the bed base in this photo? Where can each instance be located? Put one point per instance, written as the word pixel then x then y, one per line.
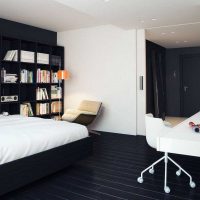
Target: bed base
pixel 21 172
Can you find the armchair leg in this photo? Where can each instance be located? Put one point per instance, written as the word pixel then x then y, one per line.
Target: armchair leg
pixel 94 132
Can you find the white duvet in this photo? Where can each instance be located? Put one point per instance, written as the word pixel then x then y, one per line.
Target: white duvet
pixel 24 136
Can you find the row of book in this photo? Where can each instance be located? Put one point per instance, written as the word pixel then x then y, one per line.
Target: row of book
pixel 42 108
pixel 41 94
pixel 11 55
pixel 26 110
pixel 43 76
pixel 26 76
pixel 56 107
pixel 56 92
pixel 8 78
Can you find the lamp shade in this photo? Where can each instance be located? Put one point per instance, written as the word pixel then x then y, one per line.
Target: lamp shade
pixel 63 74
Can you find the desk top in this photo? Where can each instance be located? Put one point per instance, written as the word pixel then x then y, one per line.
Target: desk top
pixel 181 139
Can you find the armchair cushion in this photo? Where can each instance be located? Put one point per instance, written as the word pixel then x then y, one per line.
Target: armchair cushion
pixel 90 106
pixel 71 114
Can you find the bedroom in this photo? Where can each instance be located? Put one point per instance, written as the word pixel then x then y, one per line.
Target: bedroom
pixel 101 51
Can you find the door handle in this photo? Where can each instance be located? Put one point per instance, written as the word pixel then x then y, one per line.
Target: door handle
pixel 185 88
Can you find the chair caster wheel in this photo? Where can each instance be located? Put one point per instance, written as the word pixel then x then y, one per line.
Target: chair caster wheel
pixel 178 173
pixel 192 184
pixel 167 189
pixel 140 180
pixel 151 171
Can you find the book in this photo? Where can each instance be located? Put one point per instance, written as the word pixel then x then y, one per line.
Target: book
pixel 43 76
pixel 26 110
pixel 41 94
pixel 26 76
pixel 56 107
pixel 56 92
pixel 42 108
pixel 11 55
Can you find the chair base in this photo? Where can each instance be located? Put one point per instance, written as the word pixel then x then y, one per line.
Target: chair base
pixel 178 173
pixel 94 132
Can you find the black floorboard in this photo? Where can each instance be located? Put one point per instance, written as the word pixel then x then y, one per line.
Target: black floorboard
pixel 111 173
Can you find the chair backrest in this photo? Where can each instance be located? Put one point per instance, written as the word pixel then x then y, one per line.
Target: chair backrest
pixel 90 106
pixel 154 127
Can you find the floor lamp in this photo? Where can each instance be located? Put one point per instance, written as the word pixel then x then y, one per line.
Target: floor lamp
pixel 62 75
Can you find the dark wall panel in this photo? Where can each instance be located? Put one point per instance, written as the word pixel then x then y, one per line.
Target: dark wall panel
pixel 173 78
pixel 26 32
pixel 155 83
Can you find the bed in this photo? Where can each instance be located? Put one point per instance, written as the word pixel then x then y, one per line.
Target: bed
pixel 32 148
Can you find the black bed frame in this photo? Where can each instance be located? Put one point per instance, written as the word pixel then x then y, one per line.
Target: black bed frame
pixel 21 172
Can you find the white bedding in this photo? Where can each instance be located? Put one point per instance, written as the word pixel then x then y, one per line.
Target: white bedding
pixel 24 136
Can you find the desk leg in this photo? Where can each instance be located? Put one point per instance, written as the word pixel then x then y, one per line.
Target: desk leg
pixel 166 188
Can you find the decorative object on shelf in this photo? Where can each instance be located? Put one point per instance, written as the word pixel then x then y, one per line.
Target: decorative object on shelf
pixel 9 98
pixel 62 75
pixel 8 78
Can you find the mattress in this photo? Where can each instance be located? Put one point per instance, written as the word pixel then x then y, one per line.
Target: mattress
pixel 25 136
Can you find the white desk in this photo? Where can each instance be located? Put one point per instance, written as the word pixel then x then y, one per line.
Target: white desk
pixel 181 139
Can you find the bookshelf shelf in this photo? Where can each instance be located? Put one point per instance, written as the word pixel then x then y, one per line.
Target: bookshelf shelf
pixel 25 89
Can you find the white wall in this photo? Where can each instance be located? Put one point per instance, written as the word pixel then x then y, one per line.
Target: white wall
pixel 141 71
pixel 102 61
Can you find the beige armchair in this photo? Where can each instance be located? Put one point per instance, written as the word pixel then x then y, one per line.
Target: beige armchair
pixel 85 114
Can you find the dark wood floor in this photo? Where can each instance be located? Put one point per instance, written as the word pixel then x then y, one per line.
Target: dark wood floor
pixel 111 173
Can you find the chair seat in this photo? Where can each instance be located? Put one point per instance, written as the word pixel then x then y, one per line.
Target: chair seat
pixel 71 114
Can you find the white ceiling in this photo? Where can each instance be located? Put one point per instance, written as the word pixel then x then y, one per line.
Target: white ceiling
pixel 61 15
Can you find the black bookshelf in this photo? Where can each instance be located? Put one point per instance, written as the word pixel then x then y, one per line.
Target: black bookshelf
pixel 26 92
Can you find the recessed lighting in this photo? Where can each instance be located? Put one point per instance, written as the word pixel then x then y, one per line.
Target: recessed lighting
pixel 153 19
pixel 185 41
pixel 106 0
pixel 163 33
pixel 172 32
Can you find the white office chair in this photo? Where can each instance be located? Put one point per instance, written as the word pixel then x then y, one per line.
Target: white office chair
pixel 155 127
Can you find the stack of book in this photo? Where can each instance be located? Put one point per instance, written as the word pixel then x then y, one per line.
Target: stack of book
pixel 8 78
pixel 27 56
pixel 54 77
pixel 56 92
pixel 11 55
pixel 26 76
pixel 26 110
pixel 42 108
pixel 56 107
pixel 43 58
pixel 43 76
pixel 41 94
